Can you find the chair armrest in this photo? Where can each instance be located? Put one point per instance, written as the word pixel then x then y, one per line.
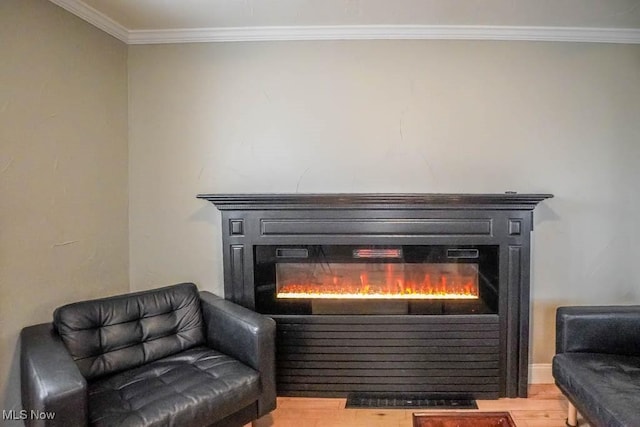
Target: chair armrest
pixel 598 329
pixel 51 381
pixel 244 335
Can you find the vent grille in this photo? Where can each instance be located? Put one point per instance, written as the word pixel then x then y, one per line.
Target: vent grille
pixel 410 401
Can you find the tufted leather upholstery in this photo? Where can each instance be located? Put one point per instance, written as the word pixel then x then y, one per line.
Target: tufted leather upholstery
pixel 597 362
pixel 113 334
pixel 193 383
pixel 165 357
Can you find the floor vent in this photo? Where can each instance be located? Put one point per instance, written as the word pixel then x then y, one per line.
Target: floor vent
pixel 406 401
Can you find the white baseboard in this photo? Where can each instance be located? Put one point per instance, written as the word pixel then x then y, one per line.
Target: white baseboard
pixel 540 373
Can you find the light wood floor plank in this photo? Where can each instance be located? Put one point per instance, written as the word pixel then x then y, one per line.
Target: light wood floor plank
pixel 545 407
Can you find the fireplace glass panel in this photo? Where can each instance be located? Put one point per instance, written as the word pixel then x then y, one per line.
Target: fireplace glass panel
pixel 376 281
pixel 353 279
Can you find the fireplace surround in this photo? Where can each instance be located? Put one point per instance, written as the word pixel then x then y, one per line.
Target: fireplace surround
pixel 424 293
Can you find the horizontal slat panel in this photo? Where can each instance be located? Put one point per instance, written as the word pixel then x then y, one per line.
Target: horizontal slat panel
pixel 466 358
pixel 377 373
pixel 393 342
pixel 485 395
pixel 387 327
pixel 396 350
pixel 387 365
pixel 301 334
pixel 446 380
pixel 370 320
pixel 338 354
pixel 473 391
pixel 401 387
pixel 372 227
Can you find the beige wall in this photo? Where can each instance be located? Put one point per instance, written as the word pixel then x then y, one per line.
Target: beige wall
pixel 392 116
pixel 383 116
pixel 63 170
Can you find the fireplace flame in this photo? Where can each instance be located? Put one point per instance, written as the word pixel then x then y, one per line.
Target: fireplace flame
pixel 399 289
pixel 377 281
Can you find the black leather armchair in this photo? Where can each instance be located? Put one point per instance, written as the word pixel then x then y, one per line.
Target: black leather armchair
pixel 165 357
pixel 597 363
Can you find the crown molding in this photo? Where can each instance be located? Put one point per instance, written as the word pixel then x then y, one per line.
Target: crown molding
pixel 350 32
pixel 95 18
pixel 386 32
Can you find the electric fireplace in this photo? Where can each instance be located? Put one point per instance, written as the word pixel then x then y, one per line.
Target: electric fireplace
pixel 348 279
pixel 412 293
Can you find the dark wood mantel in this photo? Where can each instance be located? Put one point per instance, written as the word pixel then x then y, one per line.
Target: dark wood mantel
pixel 508 200
pixel 503 221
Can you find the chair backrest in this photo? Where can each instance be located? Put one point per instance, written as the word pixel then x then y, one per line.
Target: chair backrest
pixel 109 335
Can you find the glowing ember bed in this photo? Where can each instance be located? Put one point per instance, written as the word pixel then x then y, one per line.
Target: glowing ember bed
pixel 376 281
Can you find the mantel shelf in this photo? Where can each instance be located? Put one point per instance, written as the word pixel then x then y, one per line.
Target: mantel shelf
pixel 281 201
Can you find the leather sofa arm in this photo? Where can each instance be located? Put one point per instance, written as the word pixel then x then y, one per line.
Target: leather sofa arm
pixel 598 329
pixel 246 336
pixel 52 384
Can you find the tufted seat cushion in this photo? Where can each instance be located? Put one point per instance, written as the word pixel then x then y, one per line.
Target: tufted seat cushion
pixel 174 391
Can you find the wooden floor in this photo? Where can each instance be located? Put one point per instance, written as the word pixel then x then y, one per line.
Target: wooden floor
pixel 545 407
